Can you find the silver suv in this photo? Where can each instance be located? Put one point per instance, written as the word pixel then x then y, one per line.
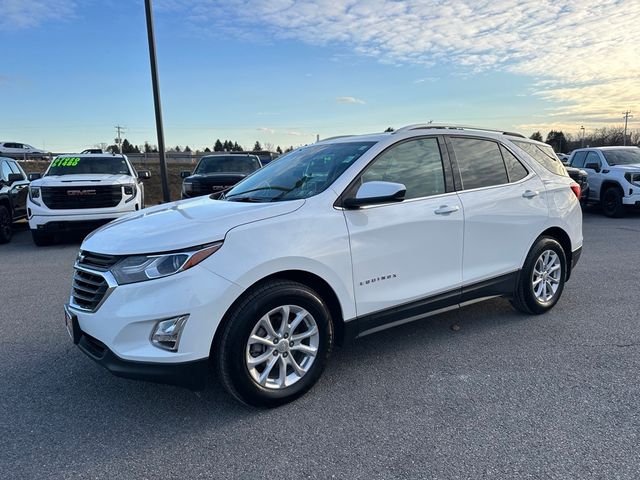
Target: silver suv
pixel 614 176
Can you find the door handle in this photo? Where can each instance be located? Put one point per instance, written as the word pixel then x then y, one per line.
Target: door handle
pixel 530 193
pixel 445 209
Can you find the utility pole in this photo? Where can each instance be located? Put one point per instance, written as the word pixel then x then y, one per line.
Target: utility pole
pixel 120 131
pixel 156 99
pixel 627 116
pixel 582 140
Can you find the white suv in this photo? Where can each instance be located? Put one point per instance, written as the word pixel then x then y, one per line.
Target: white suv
pixel 613 175
pixel 82 192
pixel 330 242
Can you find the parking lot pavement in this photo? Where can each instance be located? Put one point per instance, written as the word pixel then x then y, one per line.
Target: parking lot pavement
pixel 506 396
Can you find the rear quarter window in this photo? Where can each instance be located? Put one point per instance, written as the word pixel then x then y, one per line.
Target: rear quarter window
pixel 544 155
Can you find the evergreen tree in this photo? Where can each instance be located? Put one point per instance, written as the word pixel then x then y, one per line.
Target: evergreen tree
pixel 177 148
pixel 236 147
pixel 218 146
pixel 207 150
pixel 389 129
pixel 536 136
pixel 279 150
pixel 557 140
pixel 257 147
pixel 187 149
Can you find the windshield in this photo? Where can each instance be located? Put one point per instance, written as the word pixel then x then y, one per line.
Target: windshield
pixel 91 165
pixel 302 173
pixel 227 164
pixel 627 156
pixel 544 155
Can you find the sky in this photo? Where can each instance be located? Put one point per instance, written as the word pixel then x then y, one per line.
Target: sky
pixel 283 71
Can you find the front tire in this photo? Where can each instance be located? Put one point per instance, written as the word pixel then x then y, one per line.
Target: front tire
pixel 274 344
pixel 41 239
pixel 5 225
pixel 541 280
pixel 612 205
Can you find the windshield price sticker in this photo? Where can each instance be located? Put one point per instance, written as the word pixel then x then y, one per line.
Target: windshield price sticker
pixel 65 162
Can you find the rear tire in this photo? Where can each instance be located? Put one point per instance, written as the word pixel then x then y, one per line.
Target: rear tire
pixel 41 239
pixel 5 225
pixel 541 280
pixel 293 355
pixel 612 205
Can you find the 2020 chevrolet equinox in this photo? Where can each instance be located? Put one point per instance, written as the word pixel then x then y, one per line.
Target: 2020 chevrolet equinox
pixel 330 242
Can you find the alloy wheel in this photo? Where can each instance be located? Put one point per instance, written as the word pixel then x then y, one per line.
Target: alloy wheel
pixel 546 276
pixel 282 347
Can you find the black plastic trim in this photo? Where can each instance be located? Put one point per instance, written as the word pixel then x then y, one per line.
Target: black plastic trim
pixel 503 286
pixel 575 257
pixel 191 375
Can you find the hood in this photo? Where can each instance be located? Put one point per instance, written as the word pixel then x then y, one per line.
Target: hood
pixel 179 225
pixel 213 178
pixel 82 179
pixel 634 167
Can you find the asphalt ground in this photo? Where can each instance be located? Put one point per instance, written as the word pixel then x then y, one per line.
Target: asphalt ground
pixel 506 396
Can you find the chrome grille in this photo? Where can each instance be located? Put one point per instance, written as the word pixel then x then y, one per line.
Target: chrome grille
pixel 97 261
pixel 88 289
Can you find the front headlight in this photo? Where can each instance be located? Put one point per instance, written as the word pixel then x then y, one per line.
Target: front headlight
pixel 633 178
pixel 34 193
pixel 139 268
pixel 130 191
pixel 187 187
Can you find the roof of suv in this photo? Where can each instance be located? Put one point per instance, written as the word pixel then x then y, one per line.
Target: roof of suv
pixel 436 129
pixel 627 147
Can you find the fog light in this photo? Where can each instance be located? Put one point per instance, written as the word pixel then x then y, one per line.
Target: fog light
pixel 166 333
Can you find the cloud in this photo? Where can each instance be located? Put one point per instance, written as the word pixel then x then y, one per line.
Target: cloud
pixel 21 14
pixel 267 130
pixel 350 100
pixel 581 56
pixel 293 133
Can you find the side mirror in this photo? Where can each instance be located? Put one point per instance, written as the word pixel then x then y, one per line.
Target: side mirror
pixel 593 166
pixel 144 174
pixel 14 177
pixel 185 174
pixel 376 192
pixel 34 176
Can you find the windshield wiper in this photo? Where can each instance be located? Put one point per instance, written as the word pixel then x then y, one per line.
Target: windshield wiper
pixel 283 189
pixel 246 199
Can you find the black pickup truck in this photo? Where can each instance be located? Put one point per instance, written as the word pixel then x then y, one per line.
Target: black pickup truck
pixel 14 188
pixel 218 172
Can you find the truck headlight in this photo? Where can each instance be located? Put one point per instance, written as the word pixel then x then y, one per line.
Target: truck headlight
pixel 633 178
pixel 187 187
pixel 130 191
pixel 34 193
pixel 139 268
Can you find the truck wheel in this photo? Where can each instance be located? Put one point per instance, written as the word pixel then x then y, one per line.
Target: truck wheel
pixel 542 278
pixel 612 205
pixel 274 344
pixel 41 239
pixel 5 225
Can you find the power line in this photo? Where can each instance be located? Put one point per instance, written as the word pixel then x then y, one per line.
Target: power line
pixel 627 116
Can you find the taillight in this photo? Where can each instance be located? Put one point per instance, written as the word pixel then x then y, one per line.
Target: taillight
pixel 576 189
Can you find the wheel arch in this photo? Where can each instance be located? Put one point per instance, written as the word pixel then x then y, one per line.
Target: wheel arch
pixel 607 184
pixel 4 201
pixel 311 280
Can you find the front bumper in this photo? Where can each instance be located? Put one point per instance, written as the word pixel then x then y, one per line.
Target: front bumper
pixel 122 325
pixel 633 199
pixel 191 375
pixel 63 222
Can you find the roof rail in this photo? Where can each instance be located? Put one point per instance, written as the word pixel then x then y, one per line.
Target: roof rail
pixel 421 126
pixel 334 138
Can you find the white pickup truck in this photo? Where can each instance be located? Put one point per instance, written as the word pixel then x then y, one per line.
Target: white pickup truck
pixel 82 192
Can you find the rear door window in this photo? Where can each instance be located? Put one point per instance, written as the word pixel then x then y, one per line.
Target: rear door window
pixel 578 159
pixel 480 162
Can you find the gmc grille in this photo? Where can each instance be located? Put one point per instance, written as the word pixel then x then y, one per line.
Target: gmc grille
pixel 86 196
